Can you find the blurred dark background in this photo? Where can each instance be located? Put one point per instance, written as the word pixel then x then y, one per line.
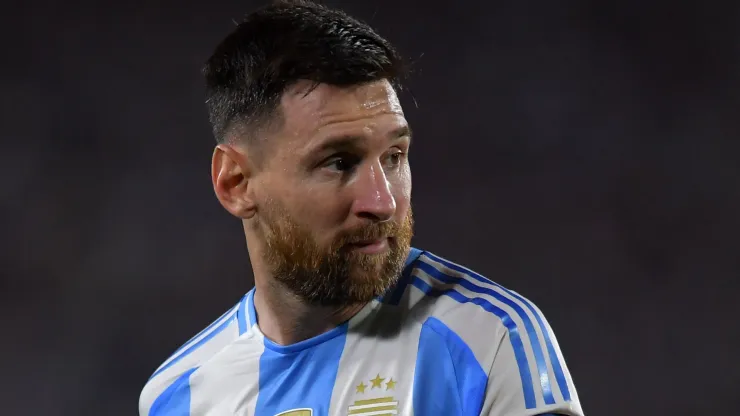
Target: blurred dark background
pixel 585 154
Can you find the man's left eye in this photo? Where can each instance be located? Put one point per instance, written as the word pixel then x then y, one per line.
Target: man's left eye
pixel 395 158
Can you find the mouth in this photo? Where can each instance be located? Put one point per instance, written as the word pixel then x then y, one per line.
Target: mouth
pixel 370 246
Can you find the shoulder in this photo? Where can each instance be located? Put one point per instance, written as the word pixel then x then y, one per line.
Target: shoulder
pixel 464 293
pixel 175 370
pixel 479 311
pixel 506 333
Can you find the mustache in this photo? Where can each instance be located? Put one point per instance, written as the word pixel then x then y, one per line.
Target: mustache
pixel 368 232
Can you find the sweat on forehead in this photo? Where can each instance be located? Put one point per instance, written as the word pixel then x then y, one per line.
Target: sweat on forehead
pixel 307 106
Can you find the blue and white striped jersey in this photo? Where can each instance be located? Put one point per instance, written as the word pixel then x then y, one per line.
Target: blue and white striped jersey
pixel 445 341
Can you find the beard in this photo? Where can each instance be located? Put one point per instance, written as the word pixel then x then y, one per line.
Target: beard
pixel 333 275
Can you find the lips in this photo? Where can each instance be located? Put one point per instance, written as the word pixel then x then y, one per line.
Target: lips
pixel 371 246
pixel 368 242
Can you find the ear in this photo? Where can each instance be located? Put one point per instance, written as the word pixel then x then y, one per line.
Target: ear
pixel 230 174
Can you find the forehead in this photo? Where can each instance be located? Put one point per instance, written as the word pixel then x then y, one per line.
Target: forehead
pixel 308 112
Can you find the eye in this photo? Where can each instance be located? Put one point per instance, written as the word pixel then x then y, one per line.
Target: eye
pixel 341 162
pixel 395 158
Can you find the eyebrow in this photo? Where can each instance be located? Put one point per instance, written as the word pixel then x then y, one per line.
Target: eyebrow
pixel 350 141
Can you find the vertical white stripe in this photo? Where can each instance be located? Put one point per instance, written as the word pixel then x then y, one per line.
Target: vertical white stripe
pixel 228 383
pixel 382 344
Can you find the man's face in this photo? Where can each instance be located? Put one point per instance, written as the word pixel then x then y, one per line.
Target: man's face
pixel 333 196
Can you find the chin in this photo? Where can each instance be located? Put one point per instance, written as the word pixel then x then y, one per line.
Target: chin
pixel 367 271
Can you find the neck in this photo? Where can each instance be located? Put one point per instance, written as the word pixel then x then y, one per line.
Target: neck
pixel 285 319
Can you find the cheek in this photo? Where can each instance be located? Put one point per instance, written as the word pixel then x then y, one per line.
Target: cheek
pixel 317 207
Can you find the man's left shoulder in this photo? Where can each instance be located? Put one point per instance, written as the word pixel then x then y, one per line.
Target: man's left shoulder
pixel 471 305
pixel 477 320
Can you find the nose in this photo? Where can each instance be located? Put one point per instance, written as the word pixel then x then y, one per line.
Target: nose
pixel 373 197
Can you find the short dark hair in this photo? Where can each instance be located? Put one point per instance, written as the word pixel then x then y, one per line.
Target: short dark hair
pixel 281 44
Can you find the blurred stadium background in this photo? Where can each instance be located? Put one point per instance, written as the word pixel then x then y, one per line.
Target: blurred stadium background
pixel 585 154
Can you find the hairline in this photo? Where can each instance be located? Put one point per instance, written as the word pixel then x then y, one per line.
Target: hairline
pixel 239 130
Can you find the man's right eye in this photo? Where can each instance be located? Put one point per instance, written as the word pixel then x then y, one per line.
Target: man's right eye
pixel 342 163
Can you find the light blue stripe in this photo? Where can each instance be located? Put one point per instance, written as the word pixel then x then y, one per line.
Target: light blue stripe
pixel 463 390
pixel 300 375
pixel 516 342
pixel 414 254
pixel 175 400
pixel 195 346
pixel 557 368
pixel 533 338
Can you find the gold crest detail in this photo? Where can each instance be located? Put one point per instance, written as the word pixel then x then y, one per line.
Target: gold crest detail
pixel 297 412
pixel 386 405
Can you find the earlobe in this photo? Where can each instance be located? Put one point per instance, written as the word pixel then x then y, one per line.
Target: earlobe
pixel 230 175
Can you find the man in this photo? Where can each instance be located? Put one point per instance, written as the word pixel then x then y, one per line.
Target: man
pixel 345 317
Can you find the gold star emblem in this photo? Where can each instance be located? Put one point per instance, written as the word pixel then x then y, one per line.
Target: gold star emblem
pixel 361 387
pixel 390 385
pixel 377 381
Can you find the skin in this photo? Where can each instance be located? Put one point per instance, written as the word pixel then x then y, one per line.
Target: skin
pixel 337 170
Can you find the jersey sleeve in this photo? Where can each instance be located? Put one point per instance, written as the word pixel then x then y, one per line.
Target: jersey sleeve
pixel 168 387
pixel 546 389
